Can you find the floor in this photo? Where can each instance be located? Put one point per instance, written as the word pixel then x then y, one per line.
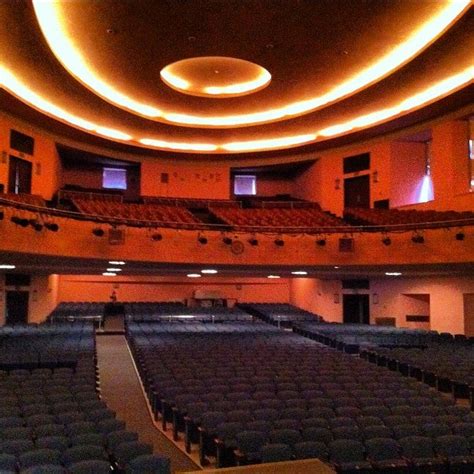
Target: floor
pixel 121 389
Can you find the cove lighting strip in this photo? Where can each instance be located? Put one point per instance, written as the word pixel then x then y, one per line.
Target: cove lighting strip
pixel 449 85
pixel 53 26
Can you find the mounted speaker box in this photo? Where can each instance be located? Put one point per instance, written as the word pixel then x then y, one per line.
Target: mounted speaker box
pixel 346 244
pixel 116 236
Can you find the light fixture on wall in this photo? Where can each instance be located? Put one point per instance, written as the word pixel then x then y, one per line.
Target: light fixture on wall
pixel 253 241
pixel 36 225
pixel 279 242
pixel 417 238
pixel 460 235
pixel 321 241
pixel 98 232
pixel 227 240
pixel 375 176
pixel 337 183
pixel 52 226
pixel 386 240
pixel 21 221
pixel 156 237
pixel 202 239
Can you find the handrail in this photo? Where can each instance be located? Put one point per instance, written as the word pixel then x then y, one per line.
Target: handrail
pixel 272 230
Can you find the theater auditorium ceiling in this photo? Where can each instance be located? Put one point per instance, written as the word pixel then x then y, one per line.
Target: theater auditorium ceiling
pixel 233 77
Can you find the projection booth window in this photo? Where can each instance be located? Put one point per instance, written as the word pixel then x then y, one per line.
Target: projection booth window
pixel 114 178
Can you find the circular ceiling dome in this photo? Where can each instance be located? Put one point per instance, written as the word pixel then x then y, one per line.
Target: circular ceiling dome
pixel 215 76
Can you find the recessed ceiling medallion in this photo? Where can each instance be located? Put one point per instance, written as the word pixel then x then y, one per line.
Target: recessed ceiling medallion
pixel 215 76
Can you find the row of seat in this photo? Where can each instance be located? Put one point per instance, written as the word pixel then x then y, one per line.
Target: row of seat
pixel 219 381
pixel 396 217
pixel 161 214
pixel 276 218
pixel 281 314
pixel 52 419
pixel 449 366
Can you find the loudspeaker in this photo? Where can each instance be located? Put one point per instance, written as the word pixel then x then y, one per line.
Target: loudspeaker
pixel 116 236
pixel 346 244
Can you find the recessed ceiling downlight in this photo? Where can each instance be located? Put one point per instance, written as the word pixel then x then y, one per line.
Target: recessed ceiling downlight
pixel 215 76
pixel 7 267
pixel 193 275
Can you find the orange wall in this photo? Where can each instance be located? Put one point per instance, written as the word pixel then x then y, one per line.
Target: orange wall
pixel 86 178
pixel 318 296
pixel 318 183
pixel 407 169
pixel 446 296
pixel 149 288
pixel 46 166
pixel 267 186
pixel 188 180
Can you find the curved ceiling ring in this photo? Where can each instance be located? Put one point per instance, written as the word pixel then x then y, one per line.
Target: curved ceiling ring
pixel 49 17
pixel 447 86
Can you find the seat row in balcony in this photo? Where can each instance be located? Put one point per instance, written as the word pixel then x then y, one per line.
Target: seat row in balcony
pixel 384 217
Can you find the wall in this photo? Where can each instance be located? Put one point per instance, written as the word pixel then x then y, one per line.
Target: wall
pixel 85 177
pixel 149 288
pixel 268 186
pixel 407 170
pixel 43 297
pixel 445 296
pixel 200 180
pixel 318 296
pixel 318 183
pixel 46 165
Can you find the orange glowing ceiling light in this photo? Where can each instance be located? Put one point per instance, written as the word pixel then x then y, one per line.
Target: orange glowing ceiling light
pixel 435 92
pixel 12 84
pixel 110 133
pixel 53 27
pixel 241 88
pixel 269 143
pixel 163 144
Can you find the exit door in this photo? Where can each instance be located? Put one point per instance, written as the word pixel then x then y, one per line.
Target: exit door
pixel 19 176
pixel 357 192
pixel 356 309
pixel 17 307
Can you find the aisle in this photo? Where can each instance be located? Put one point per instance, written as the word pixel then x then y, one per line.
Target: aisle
pixel 121 390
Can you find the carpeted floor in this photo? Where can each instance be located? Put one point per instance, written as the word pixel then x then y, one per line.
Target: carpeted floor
pixel 121 390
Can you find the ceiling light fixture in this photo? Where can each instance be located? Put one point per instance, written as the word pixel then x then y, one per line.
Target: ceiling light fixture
pixel 194 275
pixel 5 266
pixel 181 146
pixel 396 274
pixel 54 27
pixel 114 270
pixel 109 274
pixel 116 262
pixel 274 277
pixel 269 143
pixel 299 272
pixel 209 271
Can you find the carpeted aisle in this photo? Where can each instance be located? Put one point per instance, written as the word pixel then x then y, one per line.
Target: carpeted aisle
pixel 121 390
